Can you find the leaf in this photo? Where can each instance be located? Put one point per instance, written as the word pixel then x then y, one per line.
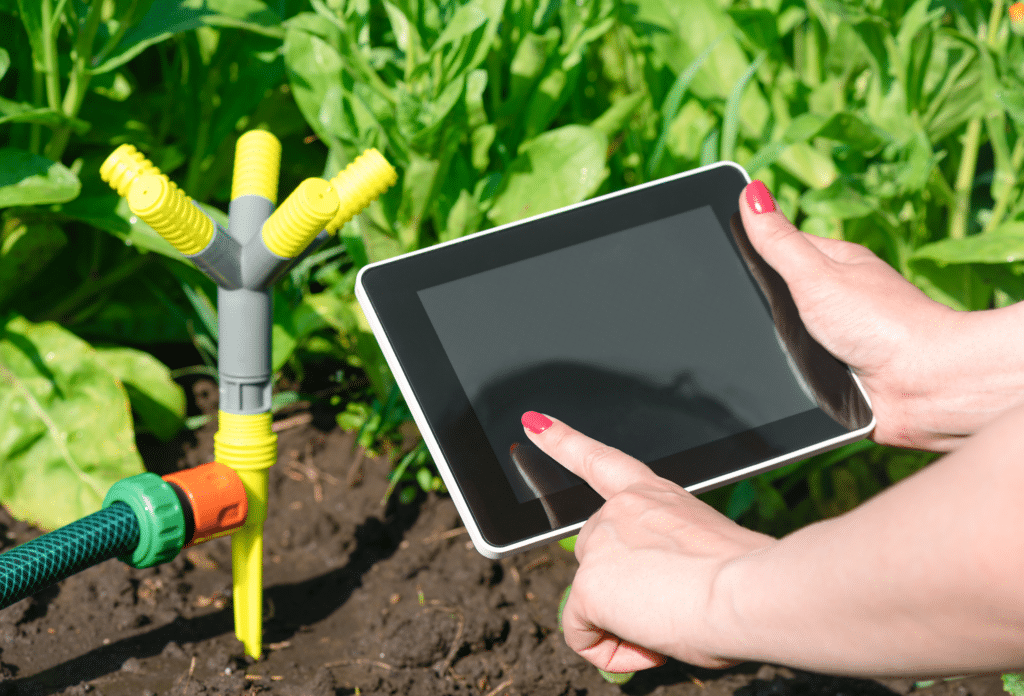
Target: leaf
pixel 165 19
pixel 20 112
pixel 557 168
pixel 839 200
pixel 292 325
pixel 1013 683
pixel 31 14
pixel 759 25
pixel 157 399
pixel 993 247
pixel 617 116
pixel 28 179
pixel 67 434
pixel 5 62
pixel 314 73
pixel 24 251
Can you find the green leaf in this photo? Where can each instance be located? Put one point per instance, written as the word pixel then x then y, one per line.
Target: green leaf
pixel 165 19
pixel 67 434
pixel 28 179
pixel 557 168
pixel 31 14
pixel 464 22
pixel 617 116
pixel 24 251
pixel 20 112
pixel 157 399
pixel 292 325
pixel 314 73
pixel 1013 683
pixel 839 200
pixel 993 247
pixel 5 62
pixel 759 25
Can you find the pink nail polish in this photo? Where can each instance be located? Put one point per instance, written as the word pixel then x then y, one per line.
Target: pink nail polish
pixel 759 198
pixel 535 422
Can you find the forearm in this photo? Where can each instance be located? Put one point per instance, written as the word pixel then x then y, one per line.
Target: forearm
pixel 968 370
pixel 925 579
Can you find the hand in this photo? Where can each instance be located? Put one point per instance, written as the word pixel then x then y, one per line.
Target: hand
pixel 648 559
pixel 930 385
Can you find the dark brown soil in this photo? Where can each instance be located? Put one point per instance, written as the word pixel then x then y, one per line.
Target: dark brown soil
pixel 360 598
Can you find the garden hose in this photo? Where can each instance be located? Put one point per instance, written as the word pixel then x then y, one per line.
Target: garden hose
pixel 145 521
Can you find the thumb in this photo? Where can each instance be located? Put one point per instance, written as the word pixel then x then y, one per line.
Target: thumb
pixel 773 236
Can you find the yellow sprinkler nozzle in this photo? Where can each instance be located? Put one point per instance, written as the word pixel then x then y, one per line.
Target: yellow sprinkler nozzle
pixel 257 163
pixel 358 184
pixel 246 443
pixel 123 165
pixel 300 218
pixel 166 208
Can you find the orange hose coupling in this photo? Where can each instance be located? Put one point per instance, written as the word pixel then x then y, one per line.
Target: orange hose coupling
pixel 216 496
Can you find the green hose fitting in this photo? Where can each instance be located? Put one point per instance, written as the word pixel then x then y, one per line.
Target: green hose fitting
pixel 161 519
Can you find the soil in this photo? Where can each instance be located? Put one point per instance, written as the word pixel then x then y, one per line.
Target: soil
pixel 360 598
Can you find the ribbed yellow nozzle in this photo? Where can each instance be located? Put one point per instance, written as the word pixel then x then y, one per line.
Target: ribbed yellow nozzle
pixel 157 200
pixel 300 218
pixel 365 178
pixel 247 444
pixel 123 165
pixel 257 165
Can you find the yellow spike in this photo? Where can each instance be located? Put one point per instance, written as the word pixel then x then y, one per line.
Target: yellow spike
pixel 247 444
pixel 166 208
pixel 300 218
pixel 257 165
pixel 123 165
pixel 358 184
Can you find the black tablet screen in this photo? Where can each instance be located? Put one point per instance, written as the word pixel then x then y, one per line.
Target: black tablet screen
pixel 654 338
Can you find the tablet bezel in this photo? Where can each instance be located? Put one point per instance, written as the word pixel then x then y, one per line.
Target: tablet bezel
pixel 498 523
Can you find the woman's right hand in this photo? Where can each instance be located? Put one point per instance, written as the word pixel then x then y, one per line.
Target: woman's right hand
pixel 934 375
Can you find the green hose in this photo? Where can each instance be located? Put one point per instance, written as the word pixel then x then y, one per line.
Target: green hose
pixel 142 522
pixel 33 566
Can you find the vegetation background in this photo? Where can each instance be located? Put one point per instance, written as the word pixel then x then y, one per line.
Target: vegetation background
pixel 894 124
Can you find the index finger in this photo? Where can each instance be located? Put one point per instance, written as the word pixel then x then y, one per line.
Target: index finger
pixel 608 471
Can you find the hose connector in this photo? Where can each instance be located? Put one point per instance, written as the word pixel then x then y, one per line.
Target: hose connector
pixel 360 183
pixel 123 165
pixel 257 163
pixel 161 519
pixel 157 200
pixel 300 218
pixel 214 495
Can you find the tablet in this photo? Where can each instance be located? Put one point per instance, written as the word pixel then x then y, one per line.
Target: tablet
pixel 643 318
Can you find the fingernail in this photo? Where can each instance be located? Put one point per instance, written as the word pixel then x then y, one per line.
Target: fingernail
pixel 759 198
pixel 535 422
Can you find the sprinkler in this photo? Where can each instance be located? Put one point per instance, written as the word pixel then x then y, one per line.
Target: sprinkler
pixel 260 245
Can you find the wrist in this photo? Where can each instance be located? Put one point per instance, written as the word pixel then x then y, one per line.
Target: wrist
pixel 964 370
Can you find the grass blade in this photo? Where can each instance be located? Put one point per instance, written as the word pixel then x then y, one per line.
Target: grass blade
pixel 730 126
pixel 673 101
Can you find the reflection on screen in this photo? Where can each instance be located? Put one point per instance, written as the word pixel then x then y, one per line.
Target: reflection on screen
pixel 653 340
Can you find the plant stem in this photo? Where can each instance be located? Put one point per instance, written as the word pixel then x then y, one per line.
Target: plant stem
pixel 50 70
pixel 79 81
pixel 972 142
pixel 86 291
pixel 1007 185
